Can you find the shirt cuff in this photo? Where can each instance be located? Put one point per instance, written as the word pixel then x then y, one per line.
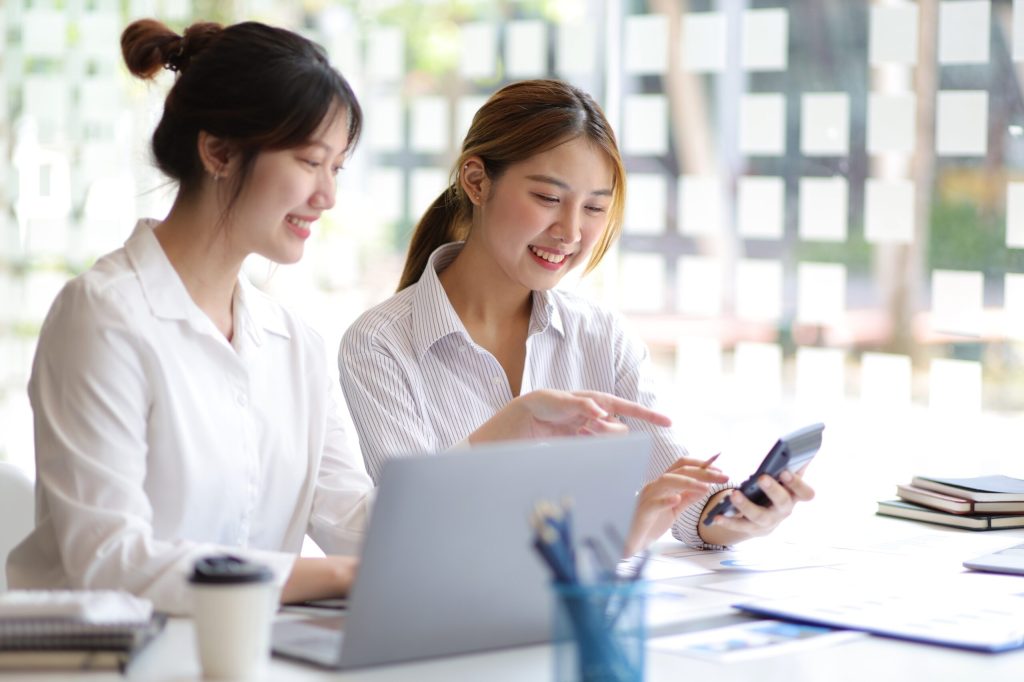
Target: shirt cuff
pixel 685 527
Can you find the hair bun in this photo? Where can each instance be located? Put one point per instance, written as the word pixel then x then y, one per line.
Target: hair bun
pixel 197 37
pixel 148 44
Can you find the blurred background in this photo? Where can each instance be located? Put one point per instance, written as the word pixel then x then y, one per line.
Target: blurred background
pixel 825 216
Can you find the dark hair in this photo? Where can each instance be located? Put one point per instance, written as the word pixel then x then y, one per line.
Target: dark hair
pixel 518 121
pixel 255 86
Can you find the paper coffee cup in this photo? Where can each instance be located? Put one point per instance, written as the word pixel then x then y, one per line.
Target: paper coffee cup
pixel 233 605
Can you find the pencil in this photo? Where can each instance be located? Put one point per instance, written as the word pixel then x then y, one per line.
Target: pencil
pixel 708 462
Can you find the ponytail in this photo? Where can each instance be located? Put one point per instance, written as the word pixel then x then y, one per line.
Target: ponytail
pixel 447 220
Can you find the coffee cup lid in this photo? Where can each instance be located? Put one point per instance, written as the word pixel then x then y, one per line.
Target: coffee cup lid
pixel 225 569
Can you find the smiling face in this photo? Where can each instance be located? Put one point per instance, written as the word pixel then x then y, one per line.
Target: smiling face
pixel 542 216
pixel 287 191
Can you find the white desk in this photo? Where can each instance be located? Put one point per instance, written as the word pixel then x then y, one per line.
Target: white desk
pixel 172 658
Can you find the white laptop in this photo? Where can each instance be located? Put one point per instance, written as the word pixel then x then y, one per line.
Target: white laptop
pixel 448 565
pixel 1009 560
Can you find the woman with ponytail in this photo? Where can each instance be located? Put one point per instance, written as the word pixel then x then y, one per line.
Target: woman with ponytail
pixel 478 325
pixel 180 412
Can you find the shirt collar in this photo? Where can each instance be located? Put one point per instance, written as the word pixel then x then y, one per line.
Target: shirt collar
pixel 169 299
pixel 434 318
pixel 545 314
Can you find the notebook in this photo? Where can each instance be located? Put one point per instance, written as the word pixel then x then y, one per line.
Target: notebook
pixel 68 643
pixel 447 566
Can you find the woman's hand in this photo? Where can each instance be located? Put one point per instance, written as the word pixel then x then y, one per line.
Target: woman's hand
pixel 319 578
pixel 754 520
pixel 662 500
pixel 548 413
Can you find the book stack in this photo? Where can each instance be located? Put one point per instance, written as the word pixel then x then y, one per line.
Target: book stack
pixel 75 630
pixel 977 503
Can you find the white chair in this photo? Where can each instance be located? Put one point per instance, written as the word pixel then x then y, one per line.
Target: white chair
pixel 17 512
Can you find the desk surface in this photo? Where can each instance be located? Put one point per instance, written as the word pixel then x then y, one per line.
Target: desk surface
pixel 172 658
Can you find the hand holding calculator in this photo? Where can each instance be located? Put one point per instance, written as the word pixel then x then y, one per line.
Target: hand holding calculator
pixel 790 453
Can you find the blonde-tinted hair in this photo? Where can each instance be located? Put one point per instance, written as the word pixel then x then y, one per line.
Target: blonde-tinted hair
pixel 517 122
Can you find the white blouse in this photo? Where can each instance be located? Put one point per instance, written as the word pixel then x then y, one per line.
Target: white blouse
pixel 415 381
pixel 158 441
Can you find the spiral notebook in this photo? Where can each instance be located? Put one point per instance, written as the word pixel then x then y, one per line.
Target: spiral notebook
pixel 76 631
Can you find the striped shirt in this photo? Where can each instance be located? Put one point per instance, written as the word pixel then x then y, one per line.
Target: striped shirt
pixel 415 381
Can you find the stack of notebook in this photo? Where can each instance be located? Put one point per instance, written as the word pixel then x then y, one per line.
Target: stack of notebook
pixel 978 503
pixel 80 630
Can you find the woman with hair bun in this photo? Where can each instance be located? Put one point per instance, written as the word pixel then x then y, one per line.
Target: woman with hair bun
pixel 179 411
pixel 538 190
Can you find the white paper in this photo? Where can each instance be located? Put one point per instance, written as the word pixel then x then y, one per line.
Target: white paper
pixel 763 124
pixel 577 47
pixel 699 286
pixel 959 617
pixel 704 42
pixel 761 200
pixel 645 44
pixel 961 125
pixel 957 299
pixel 891 123
pixel 751 640
pixel 759 289
pixel 642 282
pixel 430 115
pixel 479 50
pixel 823 208
pixel 955 386
pixel 1015 215
pixel 825 124
pixel 765 39
pixel 466 109
pixel 893 34
pixel 385 135
pixel 426 184
pixel 526 49
pixel 645 119
pixel 645 204
pixel 821 295
pixel 964 32
pixel 889 211
pixel 700 205
pixel 1013 305
pixel 885 381
pixel 820 376
pixel 44 33
pixel 757 369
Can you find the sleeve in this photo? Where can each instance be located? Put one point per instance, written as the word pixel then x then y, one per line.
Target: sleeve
pixel 382 400
pixel 634 381
pixel 90 397
pixel 344 492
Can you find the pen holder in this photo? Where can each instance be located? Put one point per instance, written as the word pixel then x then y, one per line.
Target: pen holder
pixel 598 632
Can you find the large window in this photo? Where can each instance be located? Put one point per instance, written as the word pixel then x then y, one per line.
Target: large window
pixel 825 210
